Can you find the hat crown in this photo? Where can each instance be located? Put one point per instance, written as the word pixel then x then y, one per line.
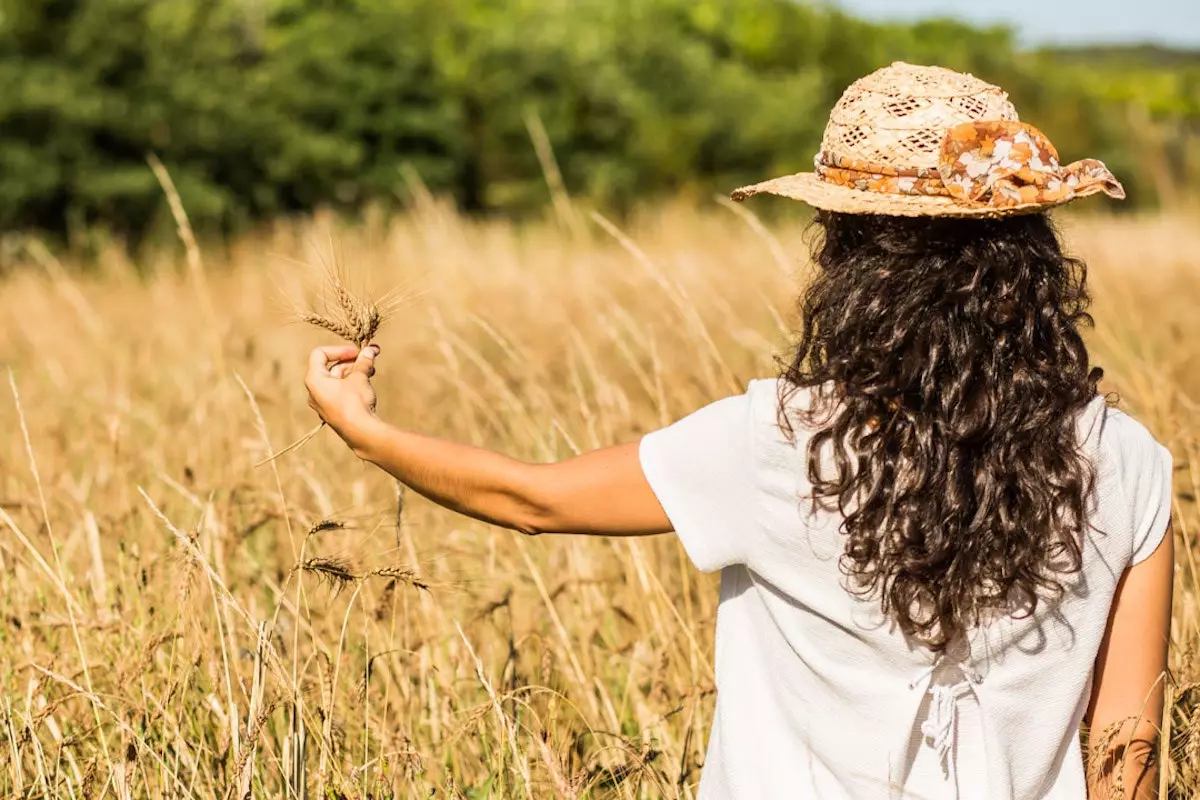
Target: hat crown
pixel 898 116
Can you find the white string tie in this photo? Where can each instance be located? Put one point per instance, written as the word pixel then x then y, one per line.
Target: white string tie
pixel 941 725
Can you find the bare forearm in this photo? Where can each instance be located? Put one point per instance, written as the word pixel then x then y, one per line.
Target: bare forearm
pixel 479 483
pixel 1128 771
pixel 602 492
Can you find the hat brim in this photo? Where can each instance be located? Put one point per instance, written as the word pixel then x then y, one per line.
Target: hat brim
pixel 809 188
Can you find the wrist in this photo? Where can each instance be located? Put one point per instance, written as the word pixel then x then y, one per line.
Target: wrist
pixel 361 434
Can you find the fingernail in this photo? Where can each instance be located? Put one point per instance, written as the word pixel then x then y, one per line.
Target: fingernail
pixel 372 350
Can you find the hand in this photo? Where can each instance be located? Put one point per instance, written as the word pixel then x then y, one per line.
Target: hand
pixel 339 386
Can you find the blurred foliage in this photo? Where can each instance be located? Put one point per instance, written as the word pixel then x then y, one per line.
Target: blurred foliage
pixel 264 107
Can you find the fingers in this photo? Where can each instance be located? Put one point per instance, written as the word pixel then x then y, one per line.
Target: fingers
pixel 321 357
pixel 342 361
pixel 365 363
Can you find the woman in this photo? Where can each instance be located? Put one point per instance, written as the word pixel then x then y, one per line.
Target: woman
pixel 941 550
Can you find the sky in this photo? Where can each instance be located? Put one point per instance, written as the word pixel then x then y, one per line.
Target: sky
pixel 1173 22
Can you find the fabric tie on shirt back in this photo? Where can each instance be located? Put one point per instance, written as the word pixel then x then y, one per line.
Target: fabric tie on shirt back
pixel 939 728
pixel 994 163
pixel 941 723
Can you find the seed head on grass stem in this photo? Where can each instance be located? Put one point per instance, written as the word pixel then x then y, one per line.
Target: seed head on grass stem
pixel 335 572
pixel 349 316
pixel 346 314
pixel 338 573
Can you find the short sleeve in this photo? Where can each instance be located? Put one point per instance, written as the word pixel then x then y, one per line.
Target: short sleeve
pixel 702 471
pixel 1144 470
pixel 1153 499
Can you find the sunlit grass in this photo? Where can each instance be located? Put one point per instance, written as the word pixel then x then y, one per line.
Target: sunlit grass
pixel 405 650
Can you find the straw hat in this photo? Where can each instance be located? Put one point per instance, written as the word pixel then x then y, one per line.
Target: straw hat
pixel 920 141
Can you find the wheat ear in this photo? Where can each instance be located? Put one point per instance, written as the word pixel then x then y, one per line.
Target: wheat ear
pixel 351 318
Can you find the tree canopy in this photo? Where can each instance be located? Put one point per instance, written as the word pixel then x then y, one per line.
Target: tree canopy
pixel 263 107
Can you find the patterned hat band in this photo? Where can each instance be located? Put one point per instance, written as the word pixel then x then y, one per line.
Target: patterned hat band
pixel 988 163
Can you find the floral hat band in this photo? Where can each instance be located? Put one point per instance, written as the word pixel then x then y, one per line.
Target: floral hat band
pixel 997 163
pixel 917 141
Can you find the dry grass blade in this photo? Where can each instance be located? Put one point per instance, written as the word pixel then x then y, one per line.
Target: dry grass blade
pixel 194 261
pixel 303 440
pixel 591 647
pixel 254 730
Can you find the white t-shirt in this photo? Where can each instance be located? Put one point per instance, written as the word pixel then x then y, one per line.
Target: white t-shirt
pixel 818 694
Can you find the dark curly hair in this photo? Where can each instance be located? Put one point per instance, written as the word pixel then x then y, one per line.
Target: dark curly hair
pixel 949 355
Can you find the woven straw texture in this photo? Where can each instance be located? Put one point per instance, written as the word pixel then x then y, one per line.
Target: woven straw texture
pixel 897 117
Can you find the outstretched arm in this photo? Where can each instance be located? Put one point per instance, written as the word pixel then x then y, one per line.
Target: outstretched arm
pixel 601 492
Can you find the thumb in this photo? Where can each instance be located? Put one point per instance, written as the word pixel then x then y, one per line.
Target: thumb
pixel 365 363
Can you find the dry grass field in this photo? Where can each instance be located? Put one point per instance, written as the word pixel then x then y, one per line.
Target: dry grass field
pixel 177 622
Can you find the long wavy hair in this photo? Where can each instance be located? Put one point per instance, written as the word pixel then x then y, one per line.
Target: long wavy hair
pixel 950 354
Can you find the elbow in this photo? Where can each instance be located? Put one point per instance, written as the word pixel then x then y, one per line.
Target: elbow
pixel 532 520
pixel 529 528
pixel 532 510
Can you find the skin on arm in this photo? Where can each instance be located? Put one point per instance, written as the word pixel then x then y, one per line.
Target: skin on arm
pixel 602 492
pixel 1128 686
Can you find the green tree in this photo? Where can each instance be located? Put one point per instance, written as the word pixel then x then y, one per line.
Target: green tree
pixel 280 106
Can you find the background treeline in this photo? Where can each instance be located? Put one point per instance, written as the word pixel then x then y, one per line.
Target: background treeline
pixel 268 107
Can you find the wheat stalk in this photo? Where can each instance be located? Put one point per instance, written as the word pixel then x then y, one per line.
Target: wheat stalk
pixel 349 316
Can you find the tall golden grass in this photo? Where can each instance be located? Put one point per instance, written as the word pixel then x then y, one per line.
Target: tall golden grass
pixel 179 623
